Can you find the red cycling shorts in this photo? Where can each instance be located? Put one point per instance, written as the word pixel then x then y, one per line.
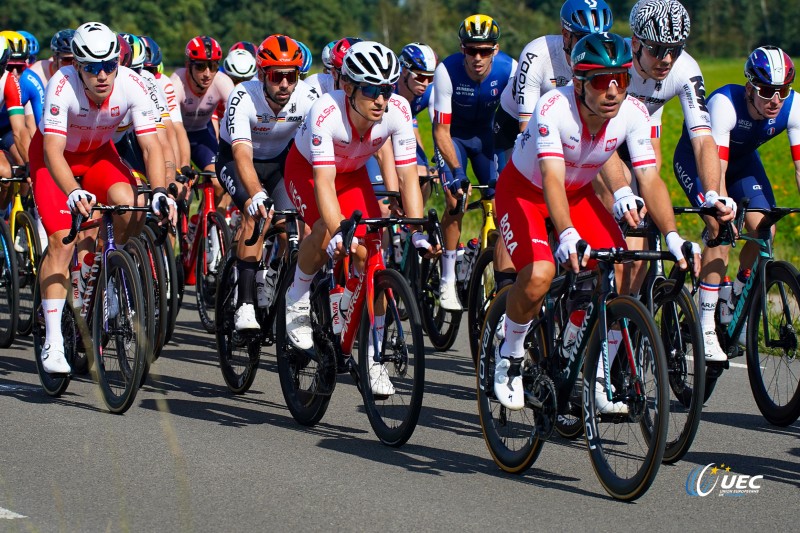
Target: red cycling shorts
pixel 353 190
pixel 522 211
pixel 96 171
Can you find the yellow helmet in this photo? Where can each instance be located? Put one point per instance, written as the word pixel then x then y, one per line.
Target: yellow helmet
pixel 18 46
pixel 479 29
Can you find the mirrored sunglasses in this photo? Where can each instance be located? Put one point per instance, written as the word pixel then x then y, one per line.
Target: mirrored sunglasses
pixel 201 66
pixel 277 76
pixel 768 92
pixel 374 91
pixel 660 51
pixel 481 51
pixel 602 81
pixel 422 78
pixel 100 66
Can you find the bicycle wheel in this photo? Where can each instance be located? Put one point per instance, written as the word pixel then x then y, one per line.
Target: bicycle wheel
pixel 172 288
pixel 158 269
pixel 118 328
pixel 238 354
pixel 9 287
pixel 210 261
pixel 402 351
pixel 511 436
pixel 678 322
pixel 626 450
pixel 479 297
pixel 137 252
pixel 440 325
pixel 773 365
pixel 307 378
pixel 29 250
pixel 53 384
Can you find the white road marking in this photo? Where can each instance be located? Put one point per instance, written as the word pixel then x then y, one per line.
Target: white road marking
pixel 16 387
pixel 9 515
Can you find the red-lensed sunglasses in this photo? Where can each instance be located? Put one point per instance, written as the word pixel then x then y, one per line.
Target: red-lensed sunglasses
pixel 422 78
pixel 602 81
pixel 277 76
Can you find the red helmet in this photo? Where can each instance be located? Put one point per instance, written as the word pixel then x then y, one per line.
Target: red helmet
pixel 279 51
pixel 339 49
pixel 125 52
pixel 203 48
pixel 244 45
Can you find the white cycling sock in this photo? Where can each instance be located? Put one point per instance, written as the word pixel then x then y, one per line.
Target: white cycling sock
pixel 449 266
pixel 301 285
pixel 380 324
pixel 709 296
pixel 515 338
pixel 53 309
pixel 614 342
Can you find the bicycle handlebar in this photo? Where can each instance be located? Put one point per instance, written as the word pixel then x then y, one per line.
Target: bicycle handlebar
pixel 78 219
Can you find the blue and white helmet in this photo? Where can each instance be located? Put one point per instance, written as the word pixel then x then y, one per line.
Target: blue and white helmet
pixel 418 57
pixel 582 16
pixel 326 55
pixel 660 21
pixel 769 65
pixel 307 59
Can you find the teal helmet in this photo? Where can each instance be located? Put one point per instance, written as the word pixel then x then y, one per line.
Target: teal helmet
pixel 601 50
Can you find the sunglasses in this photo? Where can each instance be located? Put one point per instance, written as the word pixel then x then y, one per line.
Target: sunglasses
pixel 769 91
pixel 374 91
pixel 101 66
pixel 660 51
pixel 601 82
pixel 201 66
pixel 422 78
pixel 480 51
pixel 277 76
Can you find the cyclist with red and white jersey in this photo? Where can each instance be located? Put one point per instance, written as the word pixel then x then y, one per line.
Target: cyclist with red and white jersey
pixel 572 133
pixel 61 46
pixel 74 164
pixel 260 121
pixel 327 180
pixel 152 64
pixel 326 82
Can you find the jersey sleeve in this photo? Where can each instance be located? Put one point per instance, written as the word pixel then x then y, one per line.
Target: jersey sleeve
pixel 404 142
pixel 180 94
pixel 723 121
pixel 239 117
pixel 322 124
pixel 637 134
pixel 528 79
pixel 57 101
pixel 443 94
pixel 548 135
pixel 13 96
pixel 793 128
pixel 142 107
pixel 172 102
pixel 692 95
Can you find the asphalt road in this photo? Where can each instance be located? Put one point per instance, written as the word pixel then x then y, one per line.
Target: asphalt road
pixel 189 456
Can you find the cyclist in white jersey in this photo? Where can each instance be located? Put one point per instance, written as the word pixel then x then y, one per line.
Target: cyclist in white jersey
pixel 326 82
pixel 60 44
pixel 74 164
pixel 661 71
pixel 260 121
pixel 327 180
pixel 572 133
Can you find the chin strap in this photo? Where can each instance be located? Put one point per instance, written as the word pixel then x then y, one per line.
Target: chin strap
pixel 752 102
pixel 352 100
pixel 191 76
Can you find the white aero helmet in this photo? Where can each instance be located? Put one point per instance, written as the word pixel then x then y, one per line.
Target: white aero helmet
pixel 326 55
pixel 94 42
pixel 660 21
pixel 240 64
pixel 372 63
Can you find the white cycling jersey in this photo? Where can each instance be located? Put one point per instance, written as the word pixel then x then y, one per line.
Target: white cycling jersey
pixel 249 118
pixel 327 137
pixel 69 112
pixel 684 81
pixel 158 100
pixel 556 131
pixel 542 67
pixel 165 82
pixel 44 69
pixel 321 82
pixel 198 108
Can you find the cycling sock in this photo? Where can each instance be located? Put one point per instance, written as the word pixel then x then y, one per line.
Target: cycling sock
pixel 380 321
pixel 449 266
pixel 501 279
pixel 709 296
pixel 247 277
pixel 301 285
pixel 739 282
pixel 614 342
pixel 515 338
pixel 53 309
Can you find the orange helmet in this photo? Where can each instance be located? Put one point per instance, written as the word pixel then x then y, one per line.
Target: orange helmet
pixel 279 51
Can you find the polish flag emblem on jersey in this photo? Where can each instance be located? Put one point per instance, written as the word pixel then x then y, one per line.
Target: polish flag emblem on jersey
pixel 611 145
pixel 115 111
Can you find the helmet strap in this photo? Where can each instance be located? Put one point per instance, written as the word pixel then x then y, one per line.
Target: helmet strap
pixel 200 88
pixel 752 101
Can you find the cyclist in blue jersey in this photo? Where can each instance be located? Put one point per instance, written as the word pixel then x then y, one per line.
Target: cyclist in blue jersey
pixel 416 85
pixel 467 88
pixel 743 117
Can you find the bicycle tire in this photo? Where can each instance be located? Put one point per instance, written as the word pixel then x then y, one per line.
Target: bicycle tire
pixel 678 321
pixel 647 416
pixel 394 418
pixel 238 354
pixel 307 378
pixel 27 267
pixel 137 252
pixel 119 374
pixel 773 370
pixel 53 384
pixel 441 326
pixel 479 297
pixel 9 287
pixel 507 433
pixel 206 283
pixel 173 285
pixel 160 289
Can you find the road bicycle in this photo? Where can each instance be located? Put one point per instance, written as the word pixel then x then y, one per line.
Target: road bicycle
pixel 9 287
pixel 308 377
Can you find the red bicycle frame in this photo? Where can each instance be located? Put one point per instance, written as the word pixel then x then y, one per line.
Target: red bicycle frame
pixel 189 255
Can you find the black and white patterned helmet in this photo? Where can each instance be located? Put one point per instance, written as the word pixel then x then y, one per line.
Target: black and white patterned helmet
pixel 94 42
pixel 372 63
pixel 660 21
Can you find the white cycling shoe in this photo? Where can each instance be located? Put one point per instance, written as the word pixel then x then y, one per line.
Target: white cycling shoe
pixel 53 359
pixel 508 382
pixel 604 406
pixel 714 353
pixel 245 319
pixel 448 297
pixel 379 381
pixel 298 322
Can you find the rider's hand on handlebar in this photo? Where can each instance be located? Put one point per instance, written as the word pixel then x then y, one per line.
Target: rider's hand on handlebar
pixel 420 242
pixel 156 204
pixel 260 206
pixel 628 206
pixel 567 252
pixel 81 201
pixel 675 244
pixel 459 182
pixel 726 207
pixel 335 247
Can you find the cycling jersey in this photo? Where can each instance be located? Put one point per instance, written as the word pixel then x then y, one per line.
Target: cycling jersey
pixel 158 101
pixel 556 131
pixel 32 93
pixel 44 69
pixel 249 118
pixel 169 92
pixel 11 95
pixel 198 108
pixel 322 83
pixel 738 137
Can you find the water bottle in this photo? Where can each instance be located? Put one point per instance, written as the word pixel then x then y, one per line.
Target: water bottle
pixel 266 280
pixel 725 310
pixel 571 331
pixel 397 247
pixel 192 227
pixel 77 299
pixel 738 286
pixel 337 320
pixel 470 254
pixel 347 295
pixel 460 251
